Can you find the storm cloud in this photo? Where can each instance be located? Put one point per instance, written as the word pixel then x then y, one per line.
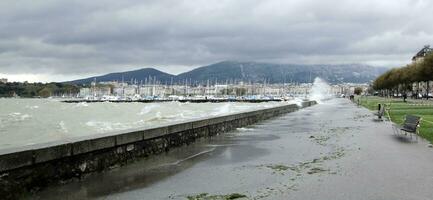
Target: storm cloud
pixel 52 40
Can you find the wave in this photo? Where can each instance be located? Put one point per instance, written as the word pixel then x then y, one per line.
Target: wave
pixel 16 116
pixel 245 129
pixel 226 108
pixel 176 117
pixel 107 126
pixel 82 104
pixel 62 127
pixel 147 109
pixel 32 107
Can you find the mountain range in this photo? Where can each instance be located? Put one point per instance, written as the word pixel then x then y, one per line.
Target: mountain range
pixel 234 71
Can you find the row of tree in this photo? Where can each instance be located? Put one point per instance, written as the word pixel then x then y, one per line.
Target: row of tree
pixel 25 89
pixel 401 80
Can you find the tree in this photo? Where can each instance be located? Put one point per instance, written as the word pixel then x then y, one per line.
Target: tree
pixel 45 92
pixel 36 89
pixel 358 91
pixel 401 80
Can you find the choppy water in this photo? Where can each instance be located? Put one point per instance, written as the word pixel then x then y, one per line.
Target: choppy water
pixel 29 121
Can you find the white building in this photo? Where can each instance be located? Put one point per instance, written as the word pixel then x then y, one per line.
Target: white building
pixel 96 91
pixel 85 92
pixel 419 57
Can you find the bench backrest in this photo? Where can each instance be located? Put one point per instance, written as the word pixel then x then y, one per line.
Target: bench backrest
pixel 411 122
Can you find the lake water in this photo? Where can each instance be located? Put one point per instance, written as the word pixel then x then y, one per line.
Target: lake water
pixel 26 122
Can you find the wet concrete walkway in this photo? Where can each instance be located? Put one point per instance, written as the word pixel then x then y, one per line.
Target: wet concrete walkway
pixel 329 151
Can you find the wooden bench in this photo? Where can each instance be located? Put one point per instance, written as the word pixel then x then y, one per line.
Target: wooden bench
pixel 410 125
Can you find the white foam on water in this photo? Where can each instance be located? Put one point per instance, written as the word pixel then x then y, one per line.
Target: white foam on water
pixel 140 122
pixel 82 104
pixel 25 116
pixel 107 126
pixel 226 108
pixel 32 107
pixel 15 114
pixel 16 117
pixel 245 129
pixel 158 115
pixel 148 108
pixel 182 116
pixel 62 127
pixel 175 117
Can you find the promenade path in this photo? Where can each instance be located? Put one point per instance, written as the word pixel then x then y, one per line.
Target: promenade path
pixel 333 150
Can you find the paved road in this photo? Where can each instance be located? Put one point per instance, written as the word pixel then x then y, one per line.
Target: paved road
pixel 329 151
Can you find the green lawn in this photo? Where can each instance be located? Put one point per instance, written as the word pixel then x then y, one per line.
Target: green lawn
pixel 398 110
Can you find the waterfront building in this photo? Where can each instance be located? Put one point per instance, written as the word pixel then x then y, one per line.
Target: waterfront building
pixel 421 54
pixel 96 91
pixel 422 88
pixel 85 92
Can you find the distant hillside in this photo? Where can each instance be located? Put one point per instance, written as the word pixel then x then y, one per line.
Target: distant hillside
pixel 232 71
pixel 139 75
pixel 279 73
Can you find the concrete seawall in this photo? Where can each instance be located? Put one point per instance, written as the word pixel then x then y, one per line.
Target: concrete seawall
pixel 32 168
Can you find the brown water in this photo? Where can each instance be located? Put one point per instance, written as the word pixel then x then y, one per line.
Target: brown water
pixel 25 122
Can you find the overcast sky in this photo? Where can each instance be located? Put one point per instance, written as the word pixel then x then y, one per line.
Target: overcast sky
pixel 53 40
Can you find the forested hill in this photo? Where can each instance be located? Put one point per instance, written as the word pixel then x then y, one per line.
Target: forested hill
pixel 283 73
pixel 25 89
pixel 234 71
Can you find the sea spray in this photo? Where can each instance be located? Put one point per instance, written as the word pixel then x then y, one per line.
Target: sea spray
pixel 296 101
pixel 320 91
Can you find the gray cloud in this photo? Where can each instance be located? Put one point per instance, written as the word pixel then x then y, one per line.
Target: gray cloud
pixel 79 38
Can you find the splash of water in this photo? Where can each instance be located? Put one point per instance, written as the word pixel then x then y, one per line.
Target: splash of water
pixel 297 101
pixel 320 91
